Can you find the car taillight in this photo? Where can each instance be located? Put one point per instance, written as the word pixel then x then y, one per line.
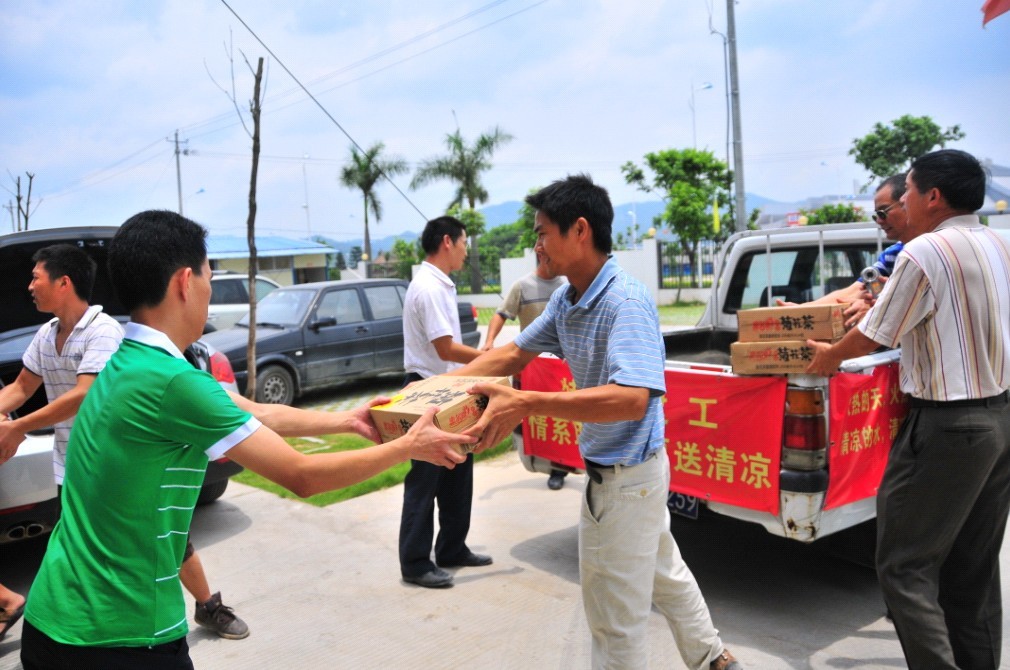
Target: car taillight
pixel 803 430
pixel 220 368
pixel 473 308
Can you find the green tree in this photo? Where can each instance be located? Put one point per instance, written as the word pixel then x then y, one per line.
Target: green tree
pixel 888 150
pixel 689 181
pixel 475 223
pixel 464 165
pixel 355 255
pixel 341 262
pixel 363 172
pixel 839 213
pixel 526 221
pixel 407 256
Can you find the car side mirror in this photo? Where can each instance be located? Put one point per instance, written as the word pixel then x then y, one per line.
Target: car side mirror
pixel 324 322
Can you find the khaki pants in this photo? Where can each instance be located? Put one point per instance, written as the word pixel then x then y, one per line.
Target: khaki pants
pixel 628 561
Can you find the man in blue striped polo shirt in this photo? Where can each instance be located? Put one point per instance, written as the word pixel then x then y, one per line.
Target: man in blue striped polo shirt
pixel 606 327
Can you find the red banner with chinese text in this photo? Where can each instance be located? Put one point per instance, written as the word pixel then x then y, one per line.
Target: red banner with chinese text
pixel 866 412
pixel 556 440
pixel 724 437
pixel 718 430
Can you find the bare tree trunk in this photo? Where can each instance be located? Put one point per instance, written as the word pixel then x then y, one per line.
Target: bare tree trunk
pixel 255 107
pixel 23 212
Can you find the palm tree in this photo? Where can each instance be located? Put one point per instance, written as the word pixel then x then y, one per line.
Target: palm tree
pixel 464 165
pixel 363 172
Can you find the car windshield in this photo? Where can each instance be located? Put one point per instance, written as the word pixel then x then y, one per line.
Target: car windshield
pixel 283 308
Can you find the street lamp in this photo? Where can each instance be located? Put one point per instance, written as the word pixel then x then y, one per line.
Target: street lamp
pixel 703 87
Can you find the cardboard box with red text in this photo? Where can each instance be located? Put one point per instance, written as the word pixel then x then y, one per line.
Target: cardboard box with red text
pixel 458 410
pixel 802 322
pixel 770 358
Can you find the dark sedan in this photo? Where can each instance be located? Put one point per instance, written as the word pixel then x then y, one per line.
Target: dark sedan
pixel 318 335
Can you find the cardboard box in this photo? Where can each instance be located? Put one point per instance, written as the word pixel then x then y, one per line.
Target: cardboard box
pixel 770 358
pixel 802 322
pixel 458 409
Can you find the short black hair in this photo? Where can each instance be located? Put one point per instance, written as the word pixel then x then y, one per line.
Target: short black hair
pixel 66 260
pixel 565 200
pixel 958 175
pixel 438 228
pixel 148 249
pixel 897 184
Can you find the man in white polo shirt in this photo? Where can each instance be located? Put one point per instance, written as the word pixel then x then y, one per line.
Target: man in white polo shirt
pixel 433 345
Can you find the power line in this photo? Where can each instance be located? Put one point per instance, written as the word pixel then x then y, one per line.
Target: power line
pixel 356 64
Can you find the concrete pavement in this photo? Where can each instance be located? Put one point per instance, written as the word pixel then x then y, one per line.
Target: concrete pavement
pixel 320 588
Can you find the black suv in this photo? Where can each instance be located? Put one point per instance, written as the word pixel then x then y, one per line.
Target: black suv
pixel 28 505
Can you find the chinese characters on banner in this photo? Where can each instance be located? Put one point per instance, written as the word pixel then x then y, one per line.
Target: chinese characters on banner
pixel 866 412
pixel 718 433
pixel 547 437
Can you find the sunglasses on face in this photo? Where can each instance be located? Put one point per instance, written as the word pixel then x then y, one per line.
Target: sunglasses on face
pixel 881 214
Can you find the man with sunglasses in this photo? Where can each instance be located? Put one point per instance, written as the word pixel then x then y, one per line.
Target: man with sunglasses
pixel 943 503
pixel 891 217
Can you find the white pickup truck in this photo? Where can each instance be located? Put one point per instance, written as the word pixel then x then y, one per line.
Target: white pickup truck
pixel 801 455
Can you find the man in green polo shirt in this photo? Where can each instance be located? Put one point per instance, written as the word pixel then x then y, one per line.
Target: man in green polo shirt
pixel 107 593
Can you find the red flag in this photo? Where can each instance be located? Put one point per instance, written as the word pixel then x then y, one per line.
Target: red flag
pixel 993 8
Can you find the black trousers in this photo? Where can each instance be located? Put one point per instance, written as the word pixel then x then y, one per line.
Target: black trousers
pixel 941 514
pixel 425 485
pixel 40 652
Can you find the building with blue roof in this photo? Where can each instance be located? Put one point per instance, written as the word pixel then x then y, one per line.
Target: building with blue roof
pixel 286 261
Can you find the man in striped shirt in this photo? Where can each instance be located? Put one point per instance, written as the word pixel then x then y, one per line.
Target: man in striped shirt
pixel 606 327
pixel 943 503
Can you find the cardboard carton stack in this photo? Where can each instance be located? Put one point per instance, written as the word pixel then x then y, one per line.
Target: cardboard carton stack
pixel 458 410
pixel 772 340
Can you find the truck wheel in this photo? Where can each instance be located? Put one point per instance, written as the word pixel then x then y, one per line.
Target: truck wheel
pixel 274 385
pixel 211 492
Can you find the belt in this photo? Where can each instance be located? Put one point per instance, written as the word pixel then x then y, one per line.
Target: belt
pixel 593 468
pixel 993 401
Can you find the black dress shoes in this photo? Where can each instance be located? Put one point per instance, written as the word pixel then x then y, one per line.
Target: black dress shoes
pixel 470 560
pixel 433 579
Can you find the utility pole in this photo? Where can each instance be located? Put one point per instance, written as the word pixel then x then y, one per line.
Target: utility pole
pixel 741 209
pixel 305 183
pixel 178 171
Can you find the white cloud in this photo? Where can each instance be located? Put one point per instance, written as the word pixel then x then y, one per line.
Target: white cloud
pixel 88 97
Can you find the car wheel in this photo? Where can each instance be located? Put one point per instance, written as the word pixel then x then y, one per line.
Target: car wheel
pixel 211 492
pixel 274 385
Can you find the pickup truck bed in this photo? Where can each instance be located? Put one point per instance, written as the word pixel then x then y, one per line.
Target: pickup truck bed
pixel 798 454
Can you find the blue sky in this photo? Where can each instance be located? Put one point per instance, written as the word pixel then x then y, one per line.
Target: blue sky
pixel 92 92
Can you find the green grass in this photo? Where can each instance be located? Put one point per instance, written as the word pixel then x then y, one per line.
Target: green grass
pixel 332 443
pixel 681 314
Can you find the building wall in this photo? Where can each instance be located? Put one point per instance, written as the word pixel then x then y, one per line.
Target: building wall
pixel 285 270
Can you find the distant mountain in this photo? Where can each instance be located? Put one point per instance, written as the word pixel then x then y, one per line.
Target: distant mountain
pixel 625 214
pixel 378 243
